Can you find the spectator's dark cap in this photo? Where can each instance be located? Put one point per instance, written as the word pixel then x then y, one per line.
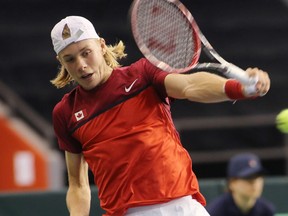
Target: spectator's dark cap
pixel 244 166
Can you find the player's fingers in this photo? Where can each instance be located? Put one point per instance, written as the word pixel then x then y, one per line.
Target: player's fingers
pixel 265 85
pixel 263 80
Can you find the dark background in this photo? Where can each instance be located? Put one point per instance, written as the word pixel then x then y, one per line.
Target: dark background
pixel 245 32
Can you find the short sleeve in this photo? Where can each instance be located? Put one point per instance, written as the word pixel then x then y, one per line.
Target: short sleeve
pixel 65 140
pixel 156 76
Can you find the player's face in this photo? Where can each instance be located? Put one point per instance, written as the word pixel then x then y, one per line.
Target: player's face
pixel 85 63
pixel 250 188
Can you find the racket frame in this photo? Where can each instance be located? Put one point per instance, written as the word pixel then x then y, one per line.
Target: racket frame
pixel 146 51
pixel 227 69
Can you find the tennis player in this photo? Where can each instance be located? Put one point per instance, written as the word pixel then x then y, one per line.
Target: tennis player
pixel 117 122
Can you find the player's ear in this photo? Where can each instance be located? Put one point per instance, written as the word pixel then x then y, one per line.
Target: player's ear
pixel 58 59
pixel 102 41
pixel 103 45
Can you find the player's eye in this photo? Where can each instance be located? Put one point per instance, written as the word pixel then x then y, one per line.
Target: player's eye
pixel 86 52
pixel 69 59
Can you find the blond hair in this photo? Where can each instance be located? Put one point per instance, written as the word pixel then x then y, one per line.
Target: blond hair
pixel 113 54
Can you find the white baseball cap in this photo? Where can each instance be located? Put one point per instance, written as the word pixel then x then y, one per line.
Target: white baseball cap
pixel 71 29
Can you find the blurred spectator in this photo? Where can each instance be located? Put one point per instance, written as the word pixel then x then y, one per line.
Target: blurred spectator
pixel 245 181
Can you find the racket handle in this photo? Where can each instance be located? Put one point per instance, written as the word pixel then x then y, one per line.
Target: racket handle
pixel 237 73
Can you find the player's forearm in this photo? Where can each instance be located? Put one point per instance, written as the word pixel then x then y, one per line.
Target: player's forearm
pixel 199 87
pixel 206 88
pixel 78 201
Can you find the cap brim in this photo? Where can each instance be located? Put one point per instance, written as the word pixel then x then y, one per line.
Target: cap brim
pixel 251 172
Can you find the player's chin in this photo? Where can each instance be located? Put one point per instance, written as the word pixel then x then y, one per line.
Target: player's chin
pixel 88 85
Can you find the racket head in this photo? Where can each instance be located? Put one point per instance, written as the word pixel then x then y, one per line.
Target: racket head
pixel 166 34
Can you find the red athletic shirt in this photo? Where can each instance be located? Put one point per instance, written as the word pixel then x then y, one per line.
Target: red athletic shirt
pixel 125 131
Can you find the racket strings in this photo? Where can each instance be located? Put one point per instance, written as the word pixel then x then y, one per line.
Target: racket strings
pixel 166 32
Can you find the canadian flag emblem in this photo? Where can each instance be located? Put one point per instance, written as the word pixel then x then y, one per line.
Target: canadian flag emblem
pixel 80 115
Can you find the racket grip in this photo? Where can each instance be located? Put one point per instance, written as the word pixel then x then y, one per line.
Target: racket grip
pixel 249 83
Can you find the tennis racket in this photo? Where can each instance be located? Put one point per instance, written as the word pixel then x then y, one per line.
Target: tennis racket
pixel 168 36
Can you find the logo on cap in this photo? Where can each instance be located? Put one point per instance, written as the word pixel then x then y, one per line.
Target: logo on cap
pixel 252 163
pixel 66 33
